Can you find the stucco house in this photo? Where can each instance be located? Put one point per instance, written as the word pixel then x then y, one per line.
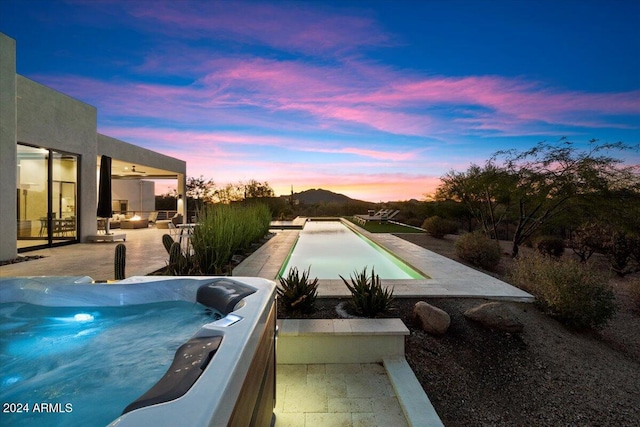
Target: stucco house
pixel 50 152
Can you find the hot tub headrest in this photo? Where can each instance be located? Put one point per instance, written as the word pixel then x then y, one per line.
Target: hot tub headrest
pixel 223 294
pixel 189 362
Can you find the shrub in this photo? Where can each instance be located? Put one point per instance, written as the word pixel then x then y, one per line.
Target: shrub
pixel 438 227
pixel 550 246
pixel 297 293
pixel 587 239
pixel 635 292
pixel 575 293
pixel 368 297
pixel 479 250
pixel 623 251
pixel 223 230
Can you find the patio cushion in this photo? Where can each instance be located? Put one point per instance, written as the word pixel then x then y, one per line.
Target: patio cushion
pixel 163 224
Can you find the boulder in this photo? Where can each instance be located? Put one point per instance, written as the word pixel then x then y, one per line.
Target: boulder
pixel 433 320
pixel 496 315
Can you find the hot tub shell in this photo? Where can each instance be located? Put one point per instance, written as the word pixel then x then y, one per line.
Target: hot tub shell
pixel 237 387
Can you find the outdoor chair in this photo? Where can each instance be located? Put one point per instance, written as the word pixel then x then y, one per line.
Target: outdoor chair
pixel 153 217
pixel 174 231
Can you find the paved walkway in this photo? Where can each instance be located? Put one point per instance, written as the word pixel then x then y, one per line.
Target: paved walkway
pixel 336 395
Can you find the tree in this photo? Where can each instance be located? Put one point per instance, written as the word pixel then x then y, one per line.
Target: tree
pixel 531 187
pixel 549 175
pixel 484 191
pixel 200 190
pixel 230 193
pixel 253 189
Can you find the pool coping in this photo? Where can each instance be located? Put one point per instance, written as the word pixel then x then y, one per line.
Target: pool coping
pixel 447 278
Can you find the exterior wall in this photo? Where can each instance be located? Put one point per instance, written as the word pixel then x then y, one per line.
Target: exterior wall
pixel 8 149
pixel 50 119
pixel 140 194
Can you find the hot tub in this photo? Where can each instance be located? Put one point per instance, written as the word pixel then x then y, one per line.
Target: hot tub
pixel 222 375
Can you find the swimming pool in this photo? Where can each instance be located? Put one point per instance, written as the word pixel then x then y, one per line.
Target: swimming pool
pixel 90 354
pixel 331 249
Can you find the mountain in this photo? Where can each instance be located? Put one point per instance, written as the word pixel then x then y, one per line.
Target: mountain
pixel 321 196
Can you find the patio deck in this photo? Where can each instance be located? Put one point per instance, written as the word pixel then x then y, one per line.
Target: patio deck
pixel 145 254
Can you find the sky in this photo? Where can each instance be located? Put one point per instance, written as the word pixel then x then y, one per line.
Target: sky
pixel 373 99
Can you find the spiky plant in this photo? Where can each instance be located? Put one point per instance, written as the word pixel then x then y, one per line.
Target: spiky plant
pixel 368 297
pixel 297 293
pixel 120 261
pixel 181 264
pixel 167 241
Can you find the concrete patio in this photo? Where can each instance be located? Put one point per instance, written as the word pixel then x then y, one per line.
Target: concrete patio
pixel 145 254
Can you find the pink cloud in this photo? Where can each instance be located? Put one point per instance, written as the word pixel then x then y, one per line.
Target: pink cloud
pixel 214 143
pixel 405 106
pixel 375 154
pixel 265 93
pixel 295 27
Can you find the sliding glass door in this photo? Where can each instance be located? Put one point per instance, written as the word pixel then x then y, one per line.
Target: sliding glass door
pixel 47 197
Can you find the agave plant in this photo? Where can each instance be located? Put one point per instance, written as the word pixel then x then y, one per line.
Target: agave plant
pixel 298 293
pixel 368 297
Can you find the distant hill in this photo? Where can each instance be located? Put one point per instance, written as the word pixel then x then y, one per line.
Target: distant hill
pixel 321 196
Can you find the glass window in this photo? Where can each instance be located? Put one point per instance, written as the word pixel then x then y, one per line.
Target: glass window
pixel 47 197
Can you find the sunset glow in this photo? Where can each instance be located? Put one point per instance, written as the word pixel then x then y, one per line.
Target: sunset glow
pixel 375 100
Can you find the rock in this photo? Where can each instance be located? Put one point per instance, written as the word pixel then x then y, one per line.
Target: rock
pixel 496 315
pixel 432 319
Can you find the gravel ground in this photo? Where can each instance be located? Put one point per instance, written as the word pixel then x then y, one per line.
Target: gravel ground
pixel 548 375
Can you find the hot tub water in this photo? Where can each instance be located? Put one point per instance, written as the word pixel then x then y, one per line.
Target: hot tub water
pixel 84 358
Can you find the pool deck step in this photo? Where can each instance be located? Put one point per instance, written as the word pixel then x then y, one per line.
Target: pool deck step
pixel 358 341
pixel 339 340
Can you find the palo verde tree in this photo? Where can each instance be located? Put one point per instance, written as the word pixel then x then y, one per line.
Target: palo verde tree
pixel 531 187
pixel 483 190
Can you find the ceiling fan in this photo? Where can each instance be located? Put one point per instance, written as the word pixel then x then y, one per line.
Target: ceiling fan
pixel 133 170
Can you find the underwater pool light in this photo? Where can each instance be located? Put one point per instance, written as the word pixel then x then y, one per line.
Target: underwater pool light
pixel 83 317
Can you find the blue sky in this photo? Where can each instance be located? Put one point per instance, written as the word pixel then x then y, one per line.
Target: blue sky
pixel 373 99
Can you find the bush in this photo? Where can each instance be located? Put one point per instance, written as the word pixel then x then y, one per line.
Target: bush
pixel 550 246
pixel 223 230
pixel 587 239
pixel 635 292
pixel 479 250
pixel 623 252
pixel 575 293
pixel 368 297
pixel 438 227
pixel 297 293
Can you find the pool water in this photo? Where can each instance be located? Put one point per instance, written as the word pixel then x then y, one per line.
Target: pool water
pixel 87 363
pixel 330 249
